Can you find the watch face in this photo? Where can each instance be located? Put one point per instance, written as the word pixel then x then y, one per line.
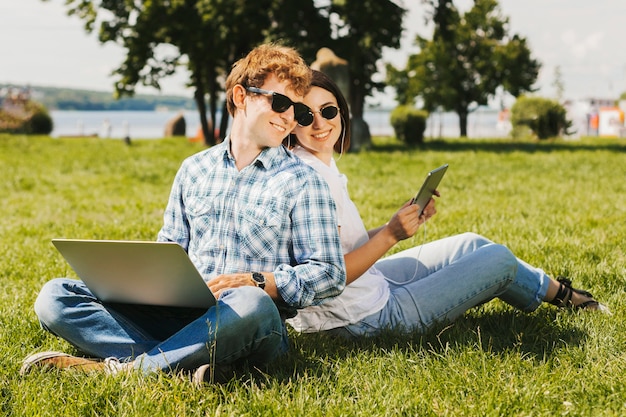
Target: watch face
pixel 259 279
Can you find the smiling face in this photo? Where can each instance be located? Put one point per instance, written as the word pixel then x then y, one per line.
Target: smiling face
pixel 256 121
pixel 320 137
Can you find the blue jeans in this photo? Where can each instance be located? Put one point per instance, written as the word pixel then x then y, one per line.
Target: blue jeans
pixel 244 325
pixel 439 281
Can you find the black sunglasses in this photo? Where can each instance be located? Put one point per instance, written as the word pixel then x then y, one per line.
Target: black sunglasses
pixel 281 103
pixel 328 113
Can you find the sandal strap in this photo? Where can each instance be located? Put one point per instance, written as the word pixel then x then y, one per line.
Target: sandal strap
pixel 590 303
pixel 568 283
pixel 563 297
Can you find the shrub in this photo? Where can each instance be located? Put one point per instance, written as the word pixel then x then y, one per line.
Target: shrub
pixel 544 118
pixel 27 117
pixel 39 123
pixel 409 124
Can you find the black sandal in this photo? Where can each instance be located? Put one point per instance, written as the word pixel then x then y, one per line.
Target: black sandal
pixel 563 298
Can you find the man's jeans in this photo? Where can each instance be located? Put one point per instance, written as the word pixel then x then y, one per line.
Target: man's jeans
pixel 439 281
pixel 244 325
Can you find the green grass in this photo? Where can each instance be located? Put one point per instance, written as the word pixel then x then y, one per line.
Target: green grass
pixel 559 205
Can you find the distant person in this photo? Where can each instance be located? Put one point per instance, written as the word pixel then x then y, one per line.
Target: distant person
pixel 417 288
pixel 126 133
pixel 106 128
pixel 258 223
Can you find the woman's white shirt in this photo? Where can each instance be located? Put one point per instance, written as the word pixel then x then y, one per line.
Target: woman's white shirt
pixel 367 294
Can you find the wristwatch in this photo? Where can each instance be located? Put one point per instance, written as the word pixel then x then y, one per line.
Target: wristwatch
pixel 259 279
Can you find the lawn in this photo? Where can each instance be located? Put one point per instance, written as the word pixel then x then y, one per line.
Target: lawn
pixel 560 205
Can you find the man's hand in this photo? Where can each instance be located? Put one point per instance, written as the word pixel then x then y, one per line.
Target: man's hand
pixel 227 281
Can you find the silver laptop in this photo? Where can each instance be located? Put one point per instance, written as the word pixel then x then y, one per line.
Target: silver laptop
pixel 137 272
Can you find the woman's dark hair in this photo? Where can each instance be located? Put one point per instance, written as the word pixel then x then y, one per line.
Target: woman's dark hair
pixel 322 80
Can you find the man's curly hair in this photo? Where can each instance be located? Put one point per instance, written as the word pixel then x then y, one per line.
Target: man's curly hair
pixel 282 61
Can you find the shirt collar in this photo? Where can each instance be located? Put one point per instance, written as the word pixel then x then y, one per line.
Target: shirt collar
pixel 267 158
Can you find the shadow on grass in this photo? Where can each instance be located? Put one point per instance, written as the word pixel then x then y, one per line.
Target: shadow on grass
pixel 497 146
pixel 536 336
pixel 313 357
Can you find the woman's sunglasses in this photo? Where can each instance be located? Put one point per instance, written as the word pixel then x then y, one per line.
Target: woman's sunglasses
pixel 328 113
pixel 281 103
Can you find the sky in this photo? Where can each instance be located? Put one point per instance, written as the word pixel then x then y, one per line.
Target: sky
pixel 40 45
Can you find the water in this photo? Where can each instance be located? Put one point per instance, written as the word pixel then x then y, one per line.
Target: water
pixel 151 124
pixel 118 124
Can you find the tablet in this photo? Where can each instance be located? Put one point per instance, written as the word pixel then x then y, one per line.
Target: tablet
pixel 429 186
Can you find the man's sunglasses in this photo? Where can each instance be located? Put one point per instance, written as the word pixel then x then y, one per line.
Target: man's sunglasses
pixel 281 103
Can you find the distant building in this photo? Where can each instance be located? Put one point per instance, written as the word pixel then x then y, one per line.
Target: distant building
pixel 594 117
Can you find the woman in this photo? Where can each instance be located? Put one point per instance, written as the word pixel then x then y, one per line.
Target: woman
pixel 419 287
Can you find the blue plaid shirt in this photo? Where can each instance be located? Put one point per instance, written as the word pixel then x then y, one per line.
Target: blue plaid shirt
pixel 276 215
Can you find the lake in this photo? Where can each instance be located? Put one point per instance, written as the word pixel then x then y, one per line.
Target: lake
pixel 151 124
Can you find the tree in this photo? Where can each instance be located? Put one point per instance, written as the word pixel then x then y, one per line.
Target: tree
pixel 361 28
pixel 301 24
pixel 468 59
pixel 559 87
pixel 207 36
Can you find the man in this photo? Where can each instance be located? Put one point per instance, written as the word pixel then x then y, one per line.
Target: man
pixel 258 224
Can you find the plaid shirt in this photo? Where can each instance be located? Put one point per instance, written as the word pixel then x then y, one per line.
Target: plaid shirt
pixel 276 215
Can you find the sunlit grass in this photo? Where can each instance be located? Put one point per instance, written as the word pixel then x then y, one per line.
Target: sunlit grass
pixel 558 205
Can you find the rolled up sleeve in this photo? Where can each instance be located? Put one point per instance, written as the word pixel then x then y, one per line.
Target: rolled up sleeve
pixel 319 270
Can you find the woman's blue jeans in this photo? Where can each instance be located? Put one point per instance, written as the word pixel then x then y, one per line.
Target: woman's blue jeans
pixel 439 281
pixel 244 325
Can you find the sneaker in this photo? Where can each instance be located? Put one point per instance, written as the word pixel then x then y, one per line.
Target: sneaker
pixel 207 374
pixel 63 361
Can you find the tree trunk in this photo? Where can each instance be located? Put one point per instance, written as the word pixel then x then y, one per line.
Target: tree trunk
pixel 213 104
pixel 463 122
pixel 206 132
pixel 360 132
pixel 224 122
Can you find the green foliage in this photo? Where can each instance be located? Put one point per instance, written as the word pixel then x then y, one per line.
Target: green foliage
pixel 39 123
pixel 543 117
pixel 364 28
pixel 468 58
pixel 208 36
pixel 495 361
pixel 409 124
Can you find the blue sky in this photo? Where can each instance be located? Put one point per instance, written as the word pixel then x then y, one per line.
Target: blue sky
pixel 41 45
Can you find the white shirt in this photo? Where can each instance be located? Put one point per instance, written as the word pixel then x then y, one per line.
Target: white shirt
pixel 364 296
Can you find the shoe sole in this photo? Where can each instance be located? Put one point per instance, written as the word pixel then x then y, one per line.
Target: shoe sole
pixel 198 376
pixel 34 359
pixel 221 375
